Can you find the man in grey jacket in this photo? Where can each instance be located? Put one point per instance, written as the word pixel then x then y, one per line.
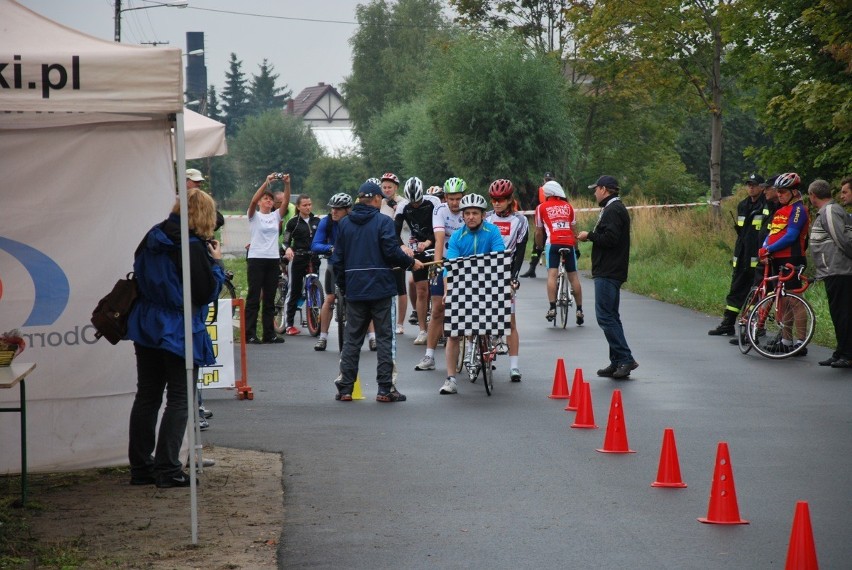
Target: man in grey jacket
pixel 831 249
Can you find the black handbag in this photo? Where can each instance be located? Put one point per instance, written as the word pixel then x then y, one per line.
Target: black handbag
pixel 110 316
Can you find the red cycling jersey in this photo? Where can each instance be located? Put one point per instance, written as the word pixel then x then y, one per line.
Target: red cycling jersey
pixel 556 216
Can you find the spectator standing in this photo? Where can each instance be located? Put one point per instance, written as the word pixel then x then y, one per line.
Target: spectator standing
pixel 749 222
pixel 262 259
pixel 365 252
pixel 298 235
pixel 831 250
pixel 610 260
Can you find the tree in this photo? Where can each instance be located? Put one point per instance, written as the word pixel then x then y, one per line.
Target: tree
pixel 273 142
pixel 213 111
pixel 392 52
pixel 332 174
pixel 422 150
pixel 263 94
pixel 235 96
pixel 501 111
pixel 382 144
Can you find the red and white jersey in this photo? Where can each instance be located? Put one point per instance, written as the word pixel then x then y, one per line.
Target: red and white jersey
pixel 513 228
pixel 443 220
pixel 557 218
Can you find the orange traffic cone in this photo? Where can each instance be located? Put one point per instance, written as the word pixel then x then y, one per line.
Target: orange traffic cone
pixel 560 382
pixel 668 473
pixel 723 507
pixel 576 391
pixel 801 554
pixel 585 418
pixel 615 440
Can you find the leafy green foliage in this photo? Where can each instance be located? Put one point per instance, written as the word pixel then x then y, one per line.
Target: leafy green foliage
pixel 235 96
pixel 330 175
pixel 383 141
pixel 263 94
pixel 422 147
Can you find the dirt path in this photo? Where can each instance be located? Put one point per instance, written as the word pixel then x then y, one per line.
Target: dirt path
pixel 240 515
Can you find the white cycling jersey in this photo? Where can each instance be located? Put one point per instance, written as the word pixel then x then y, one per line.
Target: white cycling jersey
pixel 513 228
pixel 443 220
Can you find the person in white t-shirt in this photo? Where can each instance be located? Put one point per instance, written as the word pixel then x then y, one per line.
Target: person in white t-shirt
pixel 262 264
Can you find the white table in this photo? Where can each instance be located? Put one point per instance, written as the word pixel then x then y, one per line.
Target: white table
pixel 9 376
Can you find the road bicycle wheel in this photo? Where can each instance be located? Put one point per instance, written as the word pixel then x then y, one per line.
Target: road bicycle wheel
pixel 314 297
pixel 781 329
pixel 340 316
pixel 279 319
pixel 486 357
pixel 561 302
pixel 741 322
pixel 473 362
pixel 460 359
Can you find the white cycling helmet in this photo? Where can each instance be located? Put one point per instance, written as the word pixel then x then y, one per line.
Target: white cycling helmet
pixel 473 201
pixel 414 189
pixel 553 188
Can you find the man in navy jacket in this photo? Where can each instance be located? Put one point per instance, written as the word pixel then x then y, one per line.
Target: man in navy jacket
pixel 365 255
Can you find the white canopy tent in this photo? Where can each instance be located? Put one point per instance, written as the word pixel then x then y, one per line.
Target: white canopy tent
pixel 86 157
pixel 204 137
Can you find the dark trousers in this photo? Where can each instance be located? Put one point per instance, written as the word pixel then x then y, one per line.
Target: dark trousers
pixel 298 270
pixel 607 301
pixel 262 276
pixel 157 371
pixel 359 314
pixel 742 280
pixel 838 289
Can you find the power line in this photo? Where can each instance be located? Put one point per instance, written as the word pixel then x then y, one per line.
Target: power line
pixel 315 20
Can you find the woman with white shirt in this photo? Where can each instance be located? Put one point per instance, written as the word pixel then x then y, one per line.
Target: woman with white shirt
pixel 262 269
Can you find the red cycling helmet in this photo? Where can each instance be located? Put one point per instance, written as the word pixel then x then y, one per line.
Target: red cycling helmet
pixel 390 176
pixel 789 180
pixel 501 188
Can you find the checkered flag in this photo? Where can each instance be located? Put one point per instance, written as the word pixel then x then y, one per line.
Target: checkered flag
pixel 479 300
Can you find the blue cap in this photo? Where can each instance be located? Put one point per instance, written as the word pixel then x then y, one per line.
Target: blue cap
pixel 369 189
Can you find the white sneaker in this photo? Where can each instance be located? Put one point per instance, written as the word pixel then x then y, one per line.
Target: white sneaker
pixel 428 363
pixel 399 329
pixel 449 387
pixel 421 338
pixel 515 375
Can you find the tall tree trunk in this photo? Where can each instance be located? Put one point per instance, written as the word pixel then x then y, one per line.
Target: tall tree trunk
pixel 716 126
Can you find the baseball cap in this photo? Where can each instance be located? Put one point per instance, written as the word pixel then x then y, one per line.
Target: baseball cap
pixel 369 189
pixel 607 182
pixel 770 182
pixel 194 175
pixel 754 179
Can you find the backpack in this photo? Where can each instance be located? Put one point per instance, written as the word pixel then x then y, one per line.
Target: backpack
pixel 110 316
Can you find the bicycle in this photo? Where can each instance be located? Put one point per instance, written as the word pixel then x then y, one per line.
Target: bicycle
pixel 313 295
pixel 279 320
pixel 564 293
pixel 782 315
pixel 480 359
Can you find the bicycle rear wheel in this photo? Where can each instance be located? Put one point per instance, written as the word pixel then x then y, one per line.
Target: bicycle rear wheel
pixel 486 356
pixel 340 311
pixel 313 305
pixel 460 359
pixel 741 323
pixel 561 300
pixel 279 319
pixel 781 329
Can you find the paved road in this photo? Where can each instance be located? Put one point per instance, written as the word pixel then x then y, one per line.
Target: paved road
pixel 469 481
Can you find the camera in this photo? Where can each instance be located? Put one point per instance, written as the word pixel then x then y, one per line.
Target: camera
pixel 279 175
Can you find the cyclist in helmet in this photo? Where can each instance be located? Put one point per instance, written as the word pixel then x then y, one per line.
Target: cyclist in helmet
pixel 514 230
pixel 417 214
pixel 787 239
pixel 391 204
pixel 437 192
pixel 555 218
pixel 446 219
pixel 475 237
pixel 323 244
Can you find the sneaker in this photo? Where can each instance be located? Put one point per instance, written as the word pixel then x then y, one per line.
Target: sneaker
pixel 391 395
pixel 502 347
pixel 580 318
pixel 341 396
pixel 550 315
pixel 203 424
pixel 842 363
pixel 802 351
pixel 828 361
pixel 623 370
pixel 204 412
pixel 143 480
pixel 274 339
pixel 179 480
pixel 607 372
pixel 449 387
pixel 421 338
pixel 253 340
pixel 427 363
pixel 399 329
pixel 292 331
pixel 515 375
pixel 373 346
pixel 413 318
pixel 321 344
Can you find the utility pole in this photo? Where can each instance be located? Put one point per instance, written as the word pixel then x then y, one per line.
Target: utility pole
pixel 118 21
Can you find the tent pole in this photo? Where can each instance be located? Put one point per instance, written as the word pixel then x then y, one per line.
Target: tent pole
pixel 192 406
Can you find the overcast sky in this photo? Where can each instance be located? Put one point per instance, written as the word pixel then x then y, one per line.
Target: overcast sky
pixel 307 41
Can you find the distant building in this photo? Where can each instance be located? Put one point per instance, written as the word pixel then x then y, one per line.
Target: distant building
pixel 321 107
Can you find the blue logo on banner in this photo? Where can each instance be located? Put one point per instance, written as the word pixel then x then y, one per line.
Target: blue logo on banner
pixel 51 284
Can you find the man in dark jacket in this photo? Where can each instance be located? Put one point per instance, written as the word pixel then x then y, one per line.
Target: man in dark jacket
pixel 610 257
pixel 749 223
pixel 365 255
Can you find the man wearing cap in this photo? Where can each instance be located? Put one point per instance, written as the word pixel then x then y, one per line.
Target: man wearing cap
pixel 555 221
pixel 610 258
pixel 194 178
pixel 750 220
pixel 365 253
